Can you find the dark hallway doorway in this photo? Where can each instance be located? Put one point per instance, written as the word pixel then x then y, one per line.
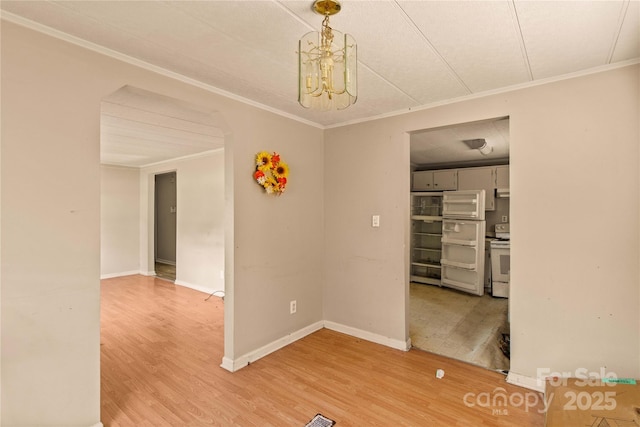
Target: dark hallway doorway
pixel 165 225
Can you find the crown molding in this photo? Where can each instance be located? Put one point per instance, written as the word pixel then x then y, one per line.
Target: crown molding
pixel 16 19
pixel 32 25
pixel 512 88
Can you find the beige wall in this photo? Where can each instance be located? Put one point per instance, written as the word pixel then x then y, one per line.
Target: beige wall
pixel 119 221
pixel 127 210
pixel 50 266
pixel 574 221
pixel 366 276
pixel 199 222
pixel 50 238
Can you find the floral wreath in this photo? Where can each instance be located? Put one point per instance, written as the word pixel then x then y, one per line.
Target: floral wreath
pixel 271 172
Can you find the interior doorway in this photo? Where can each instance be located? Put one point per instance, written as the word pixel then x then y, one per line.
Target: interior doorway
pixel 471 328
pixel 165 213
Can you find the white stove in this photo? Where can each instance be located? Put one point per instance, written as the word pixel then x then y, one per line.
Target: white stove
pixel 501 262
pixel 502 231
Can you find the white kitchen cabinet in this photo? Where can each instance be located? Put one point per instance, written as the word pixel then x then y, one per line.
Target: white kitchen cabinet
pixel 422 181
pixel 445 180
pixel 439 180
pixel 502 176
pixel 482 178
pixel 426 235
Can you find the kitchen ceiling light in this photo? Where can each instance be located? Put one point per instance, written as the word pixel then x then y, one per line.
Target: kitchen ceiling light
pixel 327 64
pixel 485 149
pixel 479 144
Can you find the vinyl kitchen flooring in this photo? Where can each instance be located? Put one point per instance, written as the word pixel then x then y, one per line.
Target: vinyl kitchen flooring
pixel 458 325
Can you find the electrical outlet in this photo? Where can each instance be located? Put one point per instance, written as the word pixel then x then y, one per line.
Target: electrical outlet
pixel 505 218
pixel 375 220
pixel 293 307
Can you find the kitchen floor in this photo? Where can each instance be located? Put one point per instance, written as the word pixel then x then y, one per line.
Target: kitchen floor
pixel 458 325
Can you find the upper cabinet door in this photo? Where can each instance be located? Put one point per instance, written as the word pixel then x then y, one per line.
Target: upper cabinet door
pixel 445 180
pixel 482 178
pixel 422 181
pixel 502 176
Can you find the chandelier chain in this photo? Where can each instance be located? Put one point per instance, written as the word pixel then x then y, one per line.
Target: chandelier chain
pixel 327 33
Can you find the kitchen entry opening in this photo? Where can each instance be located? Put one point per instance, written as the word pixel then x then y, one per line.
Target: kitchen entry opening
pixel 166 209
pixel 459 279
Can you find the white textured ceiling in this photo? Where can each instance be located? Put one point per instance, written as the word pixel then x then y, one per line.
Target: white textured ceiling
pixel 410 53
pixel 446 147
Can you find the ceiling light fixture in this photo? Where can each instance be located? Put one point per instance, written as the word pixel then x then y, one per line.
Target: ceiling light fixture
pixel 479 144
pixel 327 64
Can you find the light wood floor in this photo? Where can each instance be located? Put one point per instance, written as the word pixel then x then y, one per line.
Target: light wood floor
pixel 161 347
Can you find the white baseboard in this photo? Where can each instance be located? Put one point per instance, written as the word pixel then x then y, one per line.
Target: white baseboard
pixel 233 365
pixel 124 273
pixel 526 382
pixel 227 364
pixel 242 361
pixel 98 425
pixel 369 336
pixel 204 289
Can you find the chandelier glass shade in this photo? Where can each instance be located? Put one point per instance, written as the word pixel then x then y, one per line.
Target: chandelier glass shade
pixel 327 65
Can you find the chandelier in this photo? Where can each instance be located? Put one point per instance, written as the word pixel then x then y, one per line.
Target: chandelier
pixel 327 64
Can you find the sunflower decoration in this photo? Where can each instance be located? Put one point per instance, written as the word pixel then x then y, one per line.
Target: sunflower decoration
pixel 271 172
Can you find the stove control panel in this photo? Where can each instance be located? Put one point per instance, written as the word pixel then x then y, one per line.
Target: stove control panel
pixel 502 231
